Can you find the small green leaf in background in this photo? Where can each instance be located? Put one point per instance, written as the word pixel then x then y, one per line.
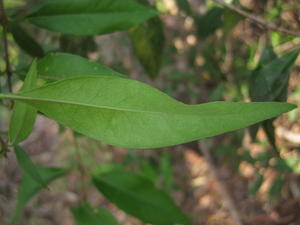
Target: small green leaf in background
pixel 23 116
pixel 166 170
pixel 148 170
pixel 148 42
pixel 13 3
pixel 85 214
pixel 257 184
pixel 137 196
pixel 230 20
pixel 29 187
pixel 288 164
pixel 207 24
pixel 89 17
pixel 28 167
pixel 78 45
pixel 184 6
pixel 25 41
pixel 58 66
pixel 276 187
pixel 269 82
pixel 131 114
pixel 267 56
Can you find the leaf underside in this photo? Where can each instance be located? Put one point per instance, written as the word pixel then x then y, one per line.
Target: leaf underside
pixel 132 114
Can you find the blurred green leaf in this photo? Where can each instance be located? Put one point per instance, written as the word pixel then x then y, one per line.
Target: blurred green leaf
pixel 25 41
pixel 270 131
pixel 13 3
pixel 148 170
pixel 267 56
pixel 23 116
pixel 293 162
pixel 256 184
pixel 137 196
pixel 289 164
pixel 247 157
pixel 85 214
pixel 184 6
pixel 166 170
pixel 132 114
pixel 148 42
pixel 226 150
pixel 230 20
pixel 57 66
pixel 218 93
pixel 107 167
pixel 89 17
pixel 207 24
pixel 3 152
pixel 78 45
pixel 269 82
pixel 212 65
pixel 29 187
pixel 276 187
pixel 263 158
pixel 28 167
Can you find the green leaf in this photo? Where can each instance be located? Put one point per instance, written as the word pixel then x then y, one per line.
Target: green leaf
pixel 132 114
pixel 184 6
pixel 286 164
pixel 148 170
pixel 207 24
pixel 276 187
pixel 166 170
pixel 148 44
pixel 25 41
pixel 137 196
pixel 77 45
pixel 269 129
pixel 267 56
pixel 89 17
pixel 257 184
pixel 269 83
pixel 230 20
pixel 27 165
pixel 29 187
pixel 13 3
pixel 57 66
pixel 85 214
pixel 23 116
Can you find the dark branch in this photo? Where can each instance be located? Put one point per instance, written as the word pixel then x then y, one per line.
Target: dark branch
pixel 257 19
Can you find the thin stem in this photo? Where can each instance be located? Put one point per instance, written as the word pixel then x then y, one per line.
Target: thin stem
pixel 4 24
pixel 221 186
pixel 257 19
pixel 80 167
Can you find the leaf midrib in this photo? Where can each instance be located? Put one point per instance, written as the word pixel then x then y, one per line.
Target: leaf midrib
pixel 88 14
pixel 18 97
pixel 25 98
